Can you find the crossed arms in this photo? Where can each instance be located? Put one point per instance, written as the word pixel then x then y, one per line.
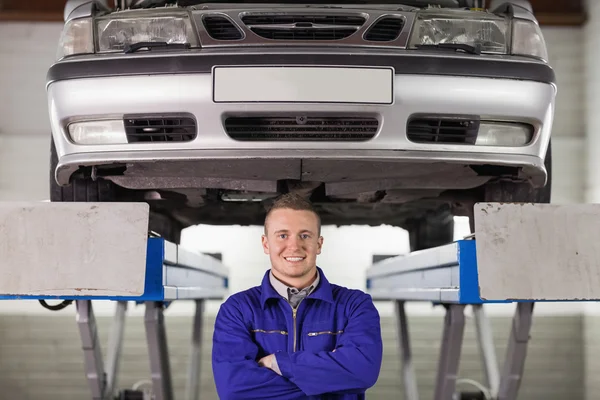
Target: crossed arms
pixel 352 367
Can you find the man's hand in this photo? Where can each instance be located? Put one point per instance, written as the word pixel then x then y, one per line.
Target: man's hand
pixel 267 361
pixel 270 362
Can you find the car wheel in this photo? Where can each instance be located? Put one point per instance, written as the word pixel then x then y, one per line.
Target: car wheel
pixel 431 231
pixel 102 190
pixel 513 192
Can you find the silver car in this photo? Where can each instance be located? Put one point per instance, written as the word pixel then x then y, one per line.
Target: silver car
pixel 402 113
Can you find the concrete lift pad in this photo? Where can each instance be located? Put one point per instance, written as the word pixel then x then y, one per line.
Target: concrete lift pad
pixel 538 251
pixel 73 249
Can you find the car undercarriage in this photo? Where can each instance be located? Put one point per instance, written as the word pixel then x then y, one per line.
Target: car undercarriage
pixel 377 193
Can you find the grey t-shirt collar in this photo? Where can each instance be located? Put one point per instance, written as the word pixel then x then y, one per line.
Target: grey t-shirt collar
pixel 292 295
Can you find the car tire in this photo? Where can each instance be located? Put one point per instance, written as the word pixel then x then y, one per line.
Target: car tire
pixel 102 190
pixel 438 229
pixel 79 190
pixel 513 192
pixel 432 230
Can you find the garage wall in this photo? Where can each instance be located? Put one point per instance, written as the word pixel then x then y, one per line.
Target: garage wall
pixel 26 52
pixel 34 341
pixel 41 359
pixel 592 103
pixel 565 50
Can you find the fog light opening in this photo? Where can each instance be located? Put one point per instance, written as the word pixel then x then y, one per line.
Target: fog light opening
pixel 504 134
pixel 98 132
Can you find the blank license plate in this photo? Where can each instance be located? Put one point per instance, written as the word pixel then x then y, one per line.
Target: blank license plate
pixel 303 85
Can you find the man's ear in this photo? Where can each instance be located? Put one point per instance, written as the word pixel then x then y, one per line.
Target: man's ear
pixel 319 244
pixel 265 244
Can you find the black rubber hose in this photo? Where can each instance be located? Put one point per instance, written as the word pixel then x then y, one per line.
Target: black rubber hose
pixel 57 307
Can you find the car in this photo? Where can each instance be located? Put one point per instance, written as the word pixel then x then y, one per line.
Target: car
pixel 401 113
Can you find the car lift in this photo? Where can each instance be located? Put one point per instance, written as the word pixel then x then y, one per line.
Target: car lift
pixel 108 256
pixel 521 253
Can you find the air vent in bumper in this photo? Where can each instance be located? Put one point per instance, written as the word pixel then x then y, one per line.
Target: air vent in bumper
pixel 385 29
pixel 443 130
pixel 303 27
pixel 221 28
pixel 302 128
pixel 165 128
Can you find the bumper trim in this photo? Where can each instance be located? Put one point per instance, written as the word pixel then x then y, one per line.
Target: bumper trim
pixel 192 63
pixel 288 162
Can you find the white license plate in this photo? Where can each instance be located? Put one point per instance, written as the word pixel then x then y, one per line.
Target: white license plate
pixel 303 85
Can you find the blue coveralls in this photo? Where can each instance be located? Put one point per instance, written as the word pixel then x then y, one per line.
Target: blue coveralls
pixel 258 322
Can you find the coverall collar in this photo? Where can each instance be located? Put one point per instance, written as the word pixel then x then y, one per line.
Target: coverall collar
pixel 321 292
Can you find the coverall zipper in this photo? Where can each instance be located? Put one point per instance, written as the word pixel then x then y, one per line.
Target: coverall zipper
pixel 295 334
pixel 273 331
pixel 294 311
pixel 325 333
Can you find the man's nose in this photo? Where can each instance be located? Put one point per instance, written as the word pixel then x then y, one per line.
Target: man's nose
pixel 294 243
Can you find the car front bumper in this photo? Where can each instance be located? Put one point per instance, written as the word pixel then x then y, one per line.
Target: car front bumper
pixel 343 172
pixel 498 91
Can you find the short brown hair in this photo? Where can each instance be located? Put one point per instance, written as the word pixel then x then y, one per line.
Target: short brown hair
pixel 293 201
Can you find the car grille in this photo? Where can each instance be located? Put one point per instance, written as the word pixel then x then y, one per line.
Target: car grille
pixel 385 29
pixel 301 128
pixel 160 129
pixel 303 27
pixel 443 130
pixel 221 28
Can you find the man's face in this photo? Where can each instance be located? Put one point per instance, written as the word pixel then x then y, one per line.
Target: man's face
pixel 292 242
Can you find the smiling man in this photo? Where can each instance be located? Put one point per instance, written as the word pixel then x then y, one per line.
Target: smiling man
pixel 296 336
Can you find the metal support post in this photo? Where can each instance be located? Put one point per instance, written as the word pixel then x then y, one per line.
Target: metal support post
pixel 158 351
pixel 516 352
pixel 192 390
pixel 454 326
pixel 485 339
pixel 115 346
pixel 478 3
pixel 94 368
pixel 408 371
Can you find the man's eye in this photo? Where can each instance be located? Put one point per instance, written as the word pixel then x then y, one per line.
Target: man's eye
pixel 282 236
pixel 305 236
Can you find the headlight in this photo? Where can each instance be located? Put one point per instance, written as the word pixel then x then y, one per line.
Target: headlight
pixel 115 34
pixel 487 34
pixel 492 34
pixel 76 38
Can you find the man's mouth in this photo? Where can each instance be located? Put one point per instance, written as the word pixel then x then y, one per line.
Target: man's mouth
pixel 294 259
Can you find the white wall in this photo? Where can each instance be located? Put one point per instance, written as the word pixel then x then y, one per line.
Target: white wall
pixel 24 167
pixel 565 50
pixel 25 57
pixel 27 50
pixel 591 42
pixel 592 112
